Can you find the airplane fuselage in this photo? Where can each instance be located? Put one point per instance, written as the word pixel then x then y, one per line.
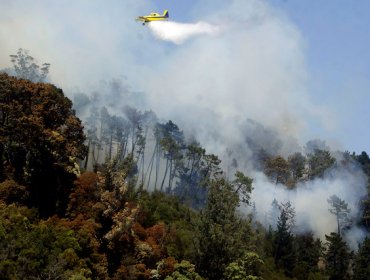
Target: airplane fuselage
pixel 153 17
pixel 149 18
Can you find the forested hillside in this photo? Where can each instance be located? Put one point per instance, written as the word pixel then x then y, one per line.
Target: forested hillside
pixel 128 196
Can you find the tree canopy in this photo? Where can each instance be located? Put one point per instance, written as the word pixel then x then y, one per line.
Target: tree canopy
pixel 142 200
pixel 41 140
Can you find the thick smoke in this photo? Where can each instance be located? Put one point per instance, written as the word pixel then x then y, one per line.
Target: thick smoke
pixel 212 86
pixel 310 202
pixel 178 33
pixel 254 69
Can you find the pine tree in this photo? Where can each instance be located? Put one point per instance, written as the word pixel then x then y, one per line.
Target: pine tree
pixel 362 261
pixel 297 165
pixel 223 235
pixel 319 162
pixel 308 253
pixel 341 211
pixel 283 248
pixel 243 186
pixel 277 169
pixel 337 257
pixel 26 67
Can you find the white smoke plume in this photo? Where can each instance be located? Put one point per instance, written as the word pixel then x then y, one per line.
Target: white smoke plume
pixel 210 86
pixel 178 33
pixel 310 202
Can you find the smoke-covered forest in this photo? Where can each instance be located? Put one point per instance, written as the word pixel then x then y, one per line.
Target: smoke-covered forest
pixel 92 190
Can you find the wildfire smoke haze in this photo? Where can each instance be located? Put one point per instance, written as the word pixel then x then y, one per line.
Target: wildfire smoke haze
pixel 211 82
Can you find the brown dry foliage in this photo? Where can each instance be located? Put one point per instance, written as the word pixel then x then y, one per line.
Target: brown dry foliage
pixel 11 192
pixel 157 232
pixel 84 196
pixel 167 267
pixel 139 231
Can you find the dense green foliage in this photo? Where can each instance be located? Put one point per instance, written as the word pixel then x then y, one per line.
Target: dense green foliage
pixel 337 257
pixel 361 263
pixel 35 249
pixel 108 223
pixel 223 236
pixel 284 253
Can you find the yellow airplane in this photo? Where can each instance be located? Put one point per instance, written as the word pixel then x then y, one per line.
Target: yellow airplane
pixel 153 17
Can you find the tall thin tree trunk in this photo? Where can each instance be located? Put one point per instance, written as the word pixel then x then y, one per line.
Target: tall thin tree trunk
pixel 170 177
pixel 338 224
pixel 150 167
pixel 157 166
pixel 133 141
pixel 98 154
pixel 165 175
pixel 110 146
pixel 142 170
pixel 93 154
pixel 124 148
pixel 88 153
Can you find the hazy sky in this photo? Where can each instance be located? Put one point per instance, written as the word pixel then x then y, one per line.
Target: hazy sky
pixel 337 35
pixel 337 54
pixel 301 66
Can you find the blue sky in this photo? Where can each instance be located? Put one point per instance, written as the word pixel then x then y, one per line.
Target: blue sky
pixel 305 64
pixel 337 37
pixel 338 56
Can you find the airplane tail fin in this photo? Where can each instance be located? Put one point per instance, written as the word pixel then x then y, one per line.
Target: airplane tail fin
pixel 165 13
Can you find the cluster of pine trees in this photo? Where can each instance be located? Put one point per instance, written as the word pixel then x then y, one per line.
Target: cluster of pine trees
pixel 77 204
